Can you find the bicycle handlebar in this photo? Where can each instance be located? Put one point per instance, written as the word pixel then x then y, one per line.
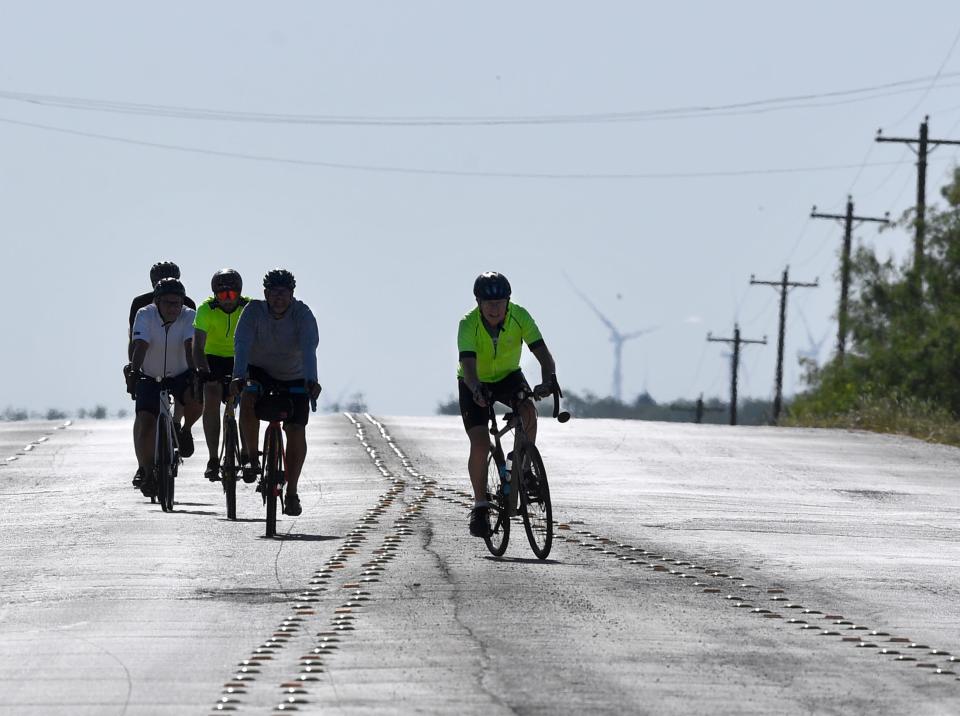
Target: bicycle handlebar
pixel 561 416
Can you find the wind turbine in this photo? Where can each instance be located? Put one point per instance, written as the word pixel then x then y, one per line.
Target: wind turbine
pixel 814 347
pixel 617 338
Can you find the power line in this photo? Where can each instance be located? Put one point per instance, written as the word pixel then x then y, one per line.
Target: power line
pixel 933 81
pixel 802 101
pixel 438 172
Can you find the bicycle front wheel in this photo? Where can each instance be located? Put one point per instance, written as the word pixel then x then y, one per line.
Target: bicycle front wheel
pixel 535 501
pixel 230 465
pixel 165 458
pixel 271 477
pixel 499 534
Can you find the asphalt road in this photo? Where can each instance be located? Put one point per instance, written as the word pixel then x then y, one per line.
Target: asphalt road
pixel 698 569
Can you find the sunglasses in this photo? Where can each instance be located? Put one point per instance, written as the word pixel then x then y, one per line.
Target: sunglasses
pixel 228 295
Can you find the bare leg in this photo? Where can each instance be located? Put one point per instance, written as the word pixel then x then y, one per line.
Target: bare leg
pixel 296 454
pixel 212 393
pixel 144 439
pixel 249 425
pixel 477 463
pixel 192 410
pixel 529 414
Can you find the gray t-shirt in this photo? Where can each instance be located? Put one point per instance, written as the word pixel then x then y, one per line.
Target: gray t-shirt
pixel 285 347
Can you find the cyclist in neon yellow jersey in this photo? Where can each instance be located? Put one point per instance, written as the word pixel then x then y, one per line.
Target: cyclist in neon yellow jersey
pixel 490 339
pixel 214 327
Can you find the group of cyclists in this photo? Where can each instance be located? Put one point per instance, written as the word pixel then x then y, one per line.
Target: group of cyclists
pixel 232 345
pixel 235 345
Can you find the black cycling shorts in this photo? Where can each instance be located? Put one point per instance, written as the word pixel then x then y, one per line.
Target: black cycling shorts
pixel 148 392
pixel 503 391
pixel 300 401
pixel 221 369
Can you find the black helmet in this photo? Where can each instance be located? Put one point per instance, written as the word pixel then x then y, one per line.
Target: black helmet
pixel 226 279
pixel 163 269
pixel 491 286
pixel 279 278
pixel 168 286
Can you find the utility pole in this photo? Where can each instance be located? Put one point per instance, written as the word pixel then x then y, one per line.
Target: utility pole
pixel 698 408
pixel 783 284
pixel 701 408
pixel 847 220
pixel 734 365
pixel 924 146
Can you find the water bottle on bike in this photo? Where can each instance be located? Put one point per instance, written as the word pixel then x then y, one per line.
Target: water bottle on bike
pixel 506 472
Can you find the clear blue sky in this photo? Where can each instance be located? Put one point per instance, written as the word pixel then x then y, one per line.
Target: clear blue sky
pixel 386 258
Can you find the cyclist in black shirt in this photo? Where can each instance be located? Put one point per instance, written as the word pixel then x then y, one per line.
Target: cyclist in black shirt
pixel 161 269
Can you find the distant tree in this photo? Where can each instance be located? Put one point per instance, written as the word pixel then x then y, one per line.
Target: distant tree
pixel 356 403
pixel 55 414
pixel 450 407
pixel 17 414
pixel 588 405
pixel 99 412
pixel 82 413
pixel 122 413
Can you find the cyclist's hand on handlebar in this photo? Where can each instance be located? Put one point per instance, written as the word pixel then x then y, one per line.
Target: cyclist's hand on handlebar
pixel 313 389
pixel 542 391
pixel 130 377
pixel 481 395
pixel 200 377
pixel 545 388
pixel 236 385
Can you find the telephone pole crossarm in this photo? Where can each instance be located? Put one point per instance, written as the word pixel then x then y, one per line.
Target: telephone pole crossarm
pixel 914 140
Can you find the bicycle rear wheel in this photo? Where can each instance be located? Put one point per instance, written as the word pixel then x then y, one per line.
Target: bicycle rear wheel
pixel 271 477
pixel 229 465
pixel 499 534
pixel 535 501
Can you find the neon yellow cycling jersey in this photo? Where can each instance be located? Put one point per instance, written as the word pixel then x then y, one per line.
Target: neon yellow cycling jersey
pixel 496 359
pixel 218 325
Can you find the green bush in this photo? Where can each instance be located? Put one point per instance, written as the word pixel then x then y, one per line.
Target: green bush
pixel 902 372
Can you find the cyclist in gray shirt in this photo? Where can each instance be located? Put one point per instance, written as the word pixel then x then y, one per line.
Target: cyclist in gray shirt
pixel 275 345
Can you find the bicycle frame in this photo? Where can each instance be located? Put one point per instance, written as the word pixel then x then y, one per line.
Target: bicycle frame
pixel 528 486
pixel 514 422
pixel 273 466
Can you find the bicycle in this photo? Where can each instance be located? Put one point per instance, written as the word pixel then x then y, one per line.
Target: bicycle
pixel 530 486
pixel 230 464
pixel 166 460
pixel 274 406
